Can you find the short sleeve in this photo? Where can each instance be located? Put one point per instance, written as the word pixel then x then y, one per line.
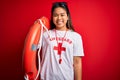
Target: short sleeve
pixel 41 41
pixel 78 45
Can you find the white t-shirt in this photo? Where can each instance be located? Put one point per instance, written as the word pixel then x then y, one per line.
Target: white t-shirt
pixel 72 46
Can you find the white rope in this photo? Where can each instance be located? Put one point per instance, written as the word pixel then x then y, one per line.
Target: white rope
pixel 39 49
pixel 42 26
pixel 26 77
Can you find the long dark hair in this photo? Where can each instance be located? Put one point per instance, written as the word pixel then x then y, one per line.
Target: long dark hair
pixel 64 6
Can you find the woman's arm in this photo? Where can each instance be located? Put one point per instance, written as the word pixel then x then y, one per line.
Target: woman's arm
pixel 77 68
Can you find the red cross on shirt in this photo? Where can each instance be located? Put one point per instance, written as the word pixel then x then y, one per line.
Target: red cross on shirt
pixel 59 48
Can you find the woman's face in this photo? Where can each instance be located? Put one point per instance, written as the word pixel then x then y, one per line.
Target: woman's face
pixel 60 18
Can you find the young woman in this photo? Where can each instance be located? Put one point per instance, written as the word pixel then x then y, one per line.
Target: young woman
pixel 61 48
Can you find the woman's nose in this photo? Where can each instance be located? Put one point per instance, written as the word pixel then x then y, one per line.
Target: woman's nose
pixel 59 17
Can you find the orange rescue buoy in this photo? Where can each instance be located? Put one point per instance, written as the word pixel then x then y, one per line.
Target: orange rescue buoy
pixel 30 48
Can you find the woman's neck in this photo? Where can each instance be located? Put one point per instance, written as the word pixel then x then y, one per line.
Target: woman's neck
pixel 62 29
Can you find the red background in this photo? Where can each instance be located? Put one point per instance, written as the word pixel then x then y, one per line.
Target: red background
pixel 97 21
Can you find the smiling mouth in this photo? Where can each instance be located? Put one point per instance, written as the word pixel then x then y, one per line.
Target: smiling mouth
pixel 59 22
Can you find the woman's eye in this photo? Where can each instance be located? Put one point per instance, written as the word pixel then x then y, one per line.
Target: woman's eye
pixel 55 15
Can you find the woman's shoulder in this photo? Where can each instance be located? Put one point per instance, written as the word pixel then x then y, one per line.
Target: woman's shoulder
pixel 74 33
pixel 47 33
